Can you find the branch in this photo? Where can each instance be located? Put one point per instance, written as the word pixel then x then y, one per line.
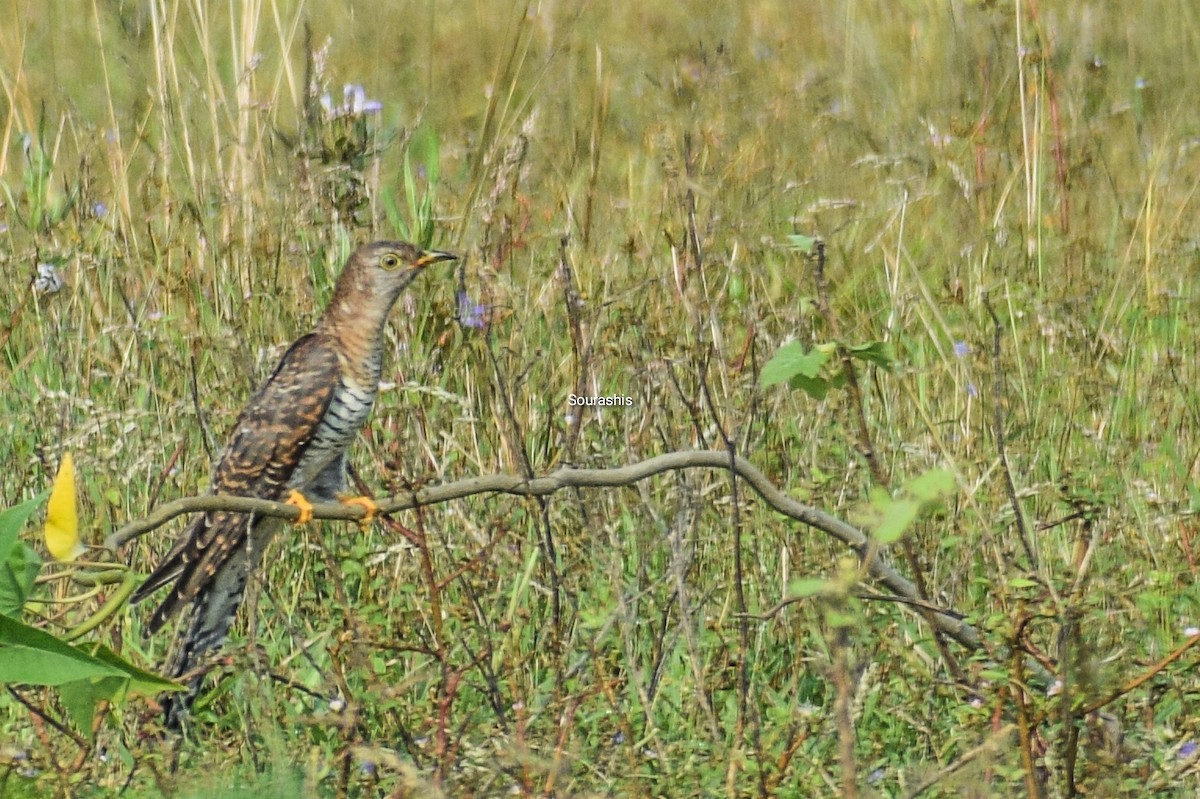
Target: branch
pixel 568 477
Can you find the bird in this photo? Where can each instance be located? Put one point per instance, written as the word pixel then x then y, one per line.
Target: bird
pixel 290 444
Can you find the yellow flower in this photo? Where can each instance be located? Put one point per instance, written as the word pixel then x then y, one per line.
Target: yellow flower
pixel 62 521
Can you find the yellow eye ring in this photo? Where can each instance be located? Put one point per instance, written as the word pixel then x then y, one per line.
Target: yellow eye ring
pixel 390 261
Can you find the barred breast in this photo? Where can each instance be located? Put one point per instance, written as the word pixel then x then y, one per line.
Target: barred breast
pixel 348 409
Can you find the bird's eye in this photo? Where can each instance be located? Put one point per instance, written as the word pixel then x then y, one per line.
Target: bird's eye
pixel 390 261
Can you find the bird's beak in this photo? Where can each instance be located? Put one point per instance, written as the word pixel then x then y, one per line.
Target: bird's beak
pixel 432 257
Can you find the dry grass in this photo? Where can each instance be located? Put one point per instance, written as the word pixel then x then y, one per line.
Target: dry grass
pixel 173 165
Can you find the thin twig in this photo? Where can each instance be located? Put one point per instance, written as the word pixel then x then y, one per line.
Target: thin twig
pixel 79 740
pixel 998 387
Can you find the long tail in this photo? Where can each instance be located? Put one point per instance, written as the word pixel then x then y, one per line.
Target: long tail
pixel 211 616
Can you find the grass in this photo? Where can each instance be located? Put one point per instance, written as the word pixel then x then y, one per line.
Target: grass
pixel 172 164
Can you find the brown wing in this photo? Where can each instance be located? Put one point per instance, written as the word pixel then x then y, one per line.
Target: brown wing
pixel 266 444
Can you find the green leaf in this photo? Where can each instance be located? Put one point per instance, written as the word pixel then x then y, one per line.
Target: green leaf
pixel 876 352
pixel 815 387
pixel 83 675
pixel 17 576
pixel 791 361
pixel 932 486
pixel 889 517
pixel 13 519
pixel 138 681
pixel 805 244
pixel 80 698
pixel 34 657
pixel 808 586
pixel 19 563
pixel 896 517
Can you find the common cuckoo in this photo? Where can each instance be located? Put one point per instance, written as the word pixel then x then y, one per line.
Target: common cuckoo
pixel 288 444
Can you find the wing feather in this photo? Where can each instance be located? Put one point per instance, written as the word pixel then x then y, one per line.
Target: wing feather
pixel 266 444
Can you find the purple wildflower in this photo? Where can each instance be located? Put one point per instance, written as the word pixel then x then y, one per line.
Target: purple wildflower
pixel 354 103
pixel 471 313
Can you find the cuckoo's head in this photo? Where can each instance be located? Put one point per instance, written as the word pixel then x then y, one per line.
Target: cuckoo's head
pixel 375 276
pixel 389 266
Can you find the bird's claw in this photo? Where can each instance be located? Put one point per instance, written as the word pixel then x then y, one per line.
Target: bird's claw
pixel 301 502
pixel 370 509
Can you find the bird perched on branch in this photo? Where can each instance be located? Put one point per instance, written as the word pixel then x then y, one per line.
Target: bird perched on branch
pixel 289 444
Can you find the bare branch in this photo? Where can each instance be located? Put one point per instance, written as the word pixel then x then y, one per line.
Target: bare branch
pixel 567 477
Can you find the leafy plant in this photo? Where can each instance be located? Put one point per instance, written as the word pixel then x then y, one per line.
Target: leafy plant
pixel 809 371
pixel 85 675
pixel 420 190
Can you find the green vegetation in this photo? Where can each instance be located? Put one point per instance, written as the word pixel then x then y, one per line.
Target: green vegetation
pixel 1007 197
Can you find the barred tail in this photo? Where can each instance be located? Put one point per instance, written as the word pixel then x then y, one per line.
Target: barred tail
pixel 212 614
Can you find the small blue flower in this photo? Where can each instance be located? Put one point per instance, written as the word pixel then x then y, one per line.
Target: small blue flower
pixel 354 103
pixel 99 210
pixel 1188 749
pixel 961 349
pixel 471 313
pixel 355 98
pixel 972 390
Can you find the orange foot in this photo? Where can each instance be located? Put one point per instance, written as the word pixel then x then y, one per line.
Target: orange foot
pixel 367 504
pixel 306 508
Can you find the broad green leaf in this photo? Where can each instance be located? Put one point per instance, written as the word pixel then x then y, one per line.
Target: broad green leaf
pixel 804 244
pixel 807 586
pixel 80 698
pixel 932 486
pixel 34 657
pixel 815 387
pixel 13 519
pixel 19 564
pixel 876 352
pixel 139 681
pixel 83 675
pixel 791 361
pixel 897 517
pixel 17 575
